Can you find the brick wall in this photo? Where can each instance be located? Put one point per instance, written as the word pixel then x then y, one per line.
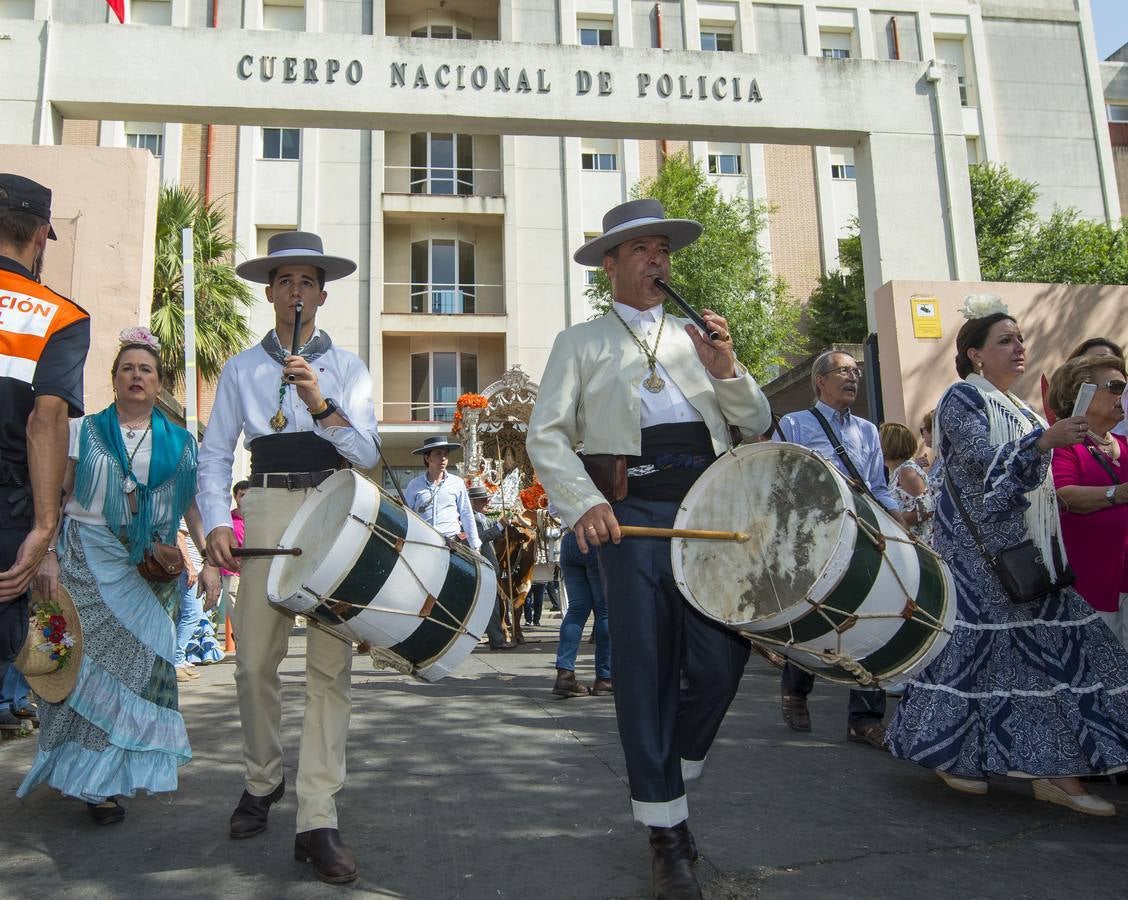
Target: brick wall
pixel 80 132
pixel 796 249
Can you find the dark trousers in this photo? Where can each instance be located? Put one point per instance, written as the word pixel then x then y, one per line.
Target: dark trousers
pixel 865 706
pixel 493 628
pixel 13 614
pixel 676 672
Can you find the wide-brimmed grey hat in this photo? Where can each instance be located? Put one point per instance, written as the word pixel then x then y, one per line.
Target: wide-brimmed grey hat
pixel 477 492
pixel 438 442
pixel 294 248
pixel 637 218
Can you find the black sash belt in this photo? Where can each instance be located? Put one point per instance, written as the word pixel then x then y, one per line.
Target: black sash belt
pixel 673 457
pixel 299 451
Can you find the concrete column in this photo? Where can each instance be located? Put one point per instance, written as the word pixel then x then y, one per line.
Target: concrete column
pixel 691 25
pixel 313 15
pixel 933 237
pixel 505 20
pixel 863 25
pixel 509 251
pixel 252 15
pixel 173 153
pixel 111 134
pixel 757 178
pixel 180 13
pixel 566 22
pixel 628 165
pixel 572 231
pixel 376 269
pixel 623 25
pixel 811 29
pixel 310 178
pixel 1093 82
pixel 746 27
pixel 699 153
pixel 828 232
pixel 245 190
pixel 988 128
pixel 379 20
pixel 42 11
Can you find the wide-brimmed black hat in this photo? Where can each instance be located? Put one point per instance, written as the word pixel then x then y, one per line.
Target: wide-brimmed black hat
pixel 438 442
pixel 25 195
pixel 294 248
pixel 637 218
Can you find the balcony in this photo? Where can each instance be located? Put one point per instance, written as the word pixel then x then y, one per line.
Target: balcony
pixel 444 299
pixel 442 181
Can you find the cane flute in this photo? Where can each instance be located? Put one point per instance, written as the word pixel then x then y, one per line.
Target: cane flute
pixel 699 534
pixel 684 306
pixel 296 343
pixel 260 552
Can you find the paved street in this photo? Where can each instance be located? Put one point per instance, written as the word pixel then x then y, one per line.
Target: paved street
pixel 486 786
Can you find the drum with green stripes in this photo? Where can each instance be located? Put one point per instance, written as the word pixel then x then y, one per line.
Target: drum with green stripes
pixel 374 572
pixel 826 576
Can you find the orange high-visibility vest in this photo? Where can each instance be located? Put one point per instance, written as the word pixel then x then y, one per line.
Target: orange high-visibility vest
pixel 30 315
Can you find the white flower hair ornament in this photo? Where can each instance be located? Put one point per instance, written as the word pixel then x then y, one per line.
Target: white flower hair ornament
pixel 139 335
pixel 978 306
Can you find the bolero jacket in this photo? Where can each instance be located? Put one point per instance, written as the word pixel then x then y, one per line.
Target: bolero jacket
pixel 589 398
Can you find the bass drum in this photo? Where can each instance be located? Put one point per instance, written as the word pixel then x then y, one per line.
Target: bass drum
pixel 827 577
pixel 374 572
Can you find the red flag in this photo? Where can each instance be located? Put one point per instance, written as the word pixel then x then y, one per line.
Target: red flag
pixel 118 6
pixel 1050 417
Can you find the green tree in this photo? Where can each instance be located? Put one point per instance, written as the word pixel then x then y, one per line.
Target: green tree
pixel 724 270
pixel 1003 207
pixel 836 311
pixel 222 298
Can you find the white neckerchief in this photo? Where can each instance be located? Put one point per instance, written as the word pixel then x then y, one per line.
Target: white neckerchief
pixel 1007 423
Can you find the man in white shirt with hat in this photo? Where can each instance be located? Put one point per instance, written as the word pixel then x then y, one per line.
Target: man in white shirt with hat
pixel 439 498
pixel 652 388
pixel 303 415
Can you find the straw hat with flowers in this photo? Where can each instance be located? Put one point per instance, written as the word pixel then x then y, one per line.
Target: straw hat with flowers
pixel 52 653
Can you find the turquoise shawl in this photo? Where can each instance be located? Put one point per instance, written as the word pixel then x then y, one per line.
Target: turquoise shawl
pixel 161 501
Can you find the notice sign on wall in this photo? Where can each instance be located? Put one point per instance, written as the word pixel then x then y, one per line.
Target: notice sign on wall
pixel 926 316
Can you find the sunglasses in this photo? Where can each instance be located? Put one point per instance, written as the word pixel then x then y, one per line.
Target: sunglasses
pixel 1115 386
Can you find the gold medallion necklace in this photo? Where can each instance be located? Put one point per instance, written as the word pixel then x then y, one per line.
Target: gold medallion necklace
pixel 653 382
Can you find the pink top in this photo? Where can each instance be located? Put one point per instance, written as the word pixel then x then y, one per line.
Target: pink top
pixel 1096 543
pixel 240 529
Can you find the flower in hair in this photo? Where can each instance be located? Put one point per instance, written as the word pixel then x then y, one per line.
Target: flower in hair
pixel 978 306
pixel 138 334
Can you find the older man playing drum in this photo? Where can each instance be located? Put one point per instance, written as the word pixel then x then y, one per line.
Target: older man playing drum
pixel 655 395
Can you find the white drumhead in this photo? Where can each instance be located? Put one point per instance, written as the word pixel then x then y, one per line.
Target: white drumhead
pixel 791 504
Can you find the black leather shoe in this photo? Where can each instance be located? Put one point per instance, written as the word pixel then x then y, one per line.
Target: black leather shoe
pixel 106 815
pixel 332 860
pixel 250 815
pixel 672 864
pixel 795 712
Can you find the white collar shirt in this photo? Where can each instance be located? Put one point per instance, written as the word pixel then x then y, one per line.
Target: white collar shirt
pixel 444 505
pixel 669 404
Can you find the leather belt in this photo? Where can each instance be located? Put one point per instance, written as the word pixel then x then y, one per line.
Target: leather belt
pixel 291 481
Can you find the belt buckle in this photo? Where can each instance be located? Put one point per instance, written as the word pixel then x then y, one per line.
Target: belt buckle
pixel 291 482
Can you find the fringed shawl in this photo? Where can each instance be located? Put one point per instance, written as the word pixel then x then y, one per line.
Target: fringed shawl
pixel 161 500
pixel 1008 421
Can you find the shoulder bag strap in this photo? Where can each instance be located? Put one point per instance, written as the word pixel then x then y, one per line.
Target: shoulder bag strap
pixel 955 495
pixel 842 454
pixel 1103 460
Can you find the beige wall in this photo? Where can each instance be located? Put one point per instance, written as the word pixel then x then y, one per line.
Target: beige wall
pixel 104 210
pixel 1054 319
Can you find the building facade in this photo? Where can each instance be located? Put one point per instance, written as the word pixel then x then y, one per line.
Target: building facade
pixel 460 235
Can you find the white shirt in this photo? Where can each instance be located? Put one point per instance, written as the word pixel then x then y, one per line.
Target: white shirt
pixel 247 398
pixel 669 404
pixel 141 442
pixel 444 505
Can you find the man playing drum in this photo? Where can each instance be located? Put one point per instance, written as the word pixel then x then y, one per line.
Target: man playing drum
pixel 303 415
pixel 851 444
pixel 652 388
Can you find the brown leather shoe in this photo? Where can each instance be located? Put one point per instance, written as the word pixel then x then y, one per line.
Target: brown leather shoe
pixel 250 815
pixel 872 733
pixel 672 864
pixel 332 860
pixel 601 686
pixel 795 712
pixel 567 686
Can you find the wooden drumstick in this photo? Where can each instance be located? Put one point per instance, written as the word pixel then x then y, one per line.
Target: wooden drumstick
pixel 256 552
pixel 692 533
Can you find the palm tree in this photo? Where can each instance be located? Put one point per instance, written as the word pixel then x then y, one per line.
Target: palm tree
pixel 222 298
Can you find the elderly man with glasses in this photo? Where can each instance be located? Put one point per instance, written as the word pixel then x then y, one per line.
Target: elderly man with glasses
pixel 852 445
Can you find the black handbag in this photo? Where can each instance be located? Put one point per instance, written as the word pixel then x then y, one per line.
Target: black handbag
pixel 1021 569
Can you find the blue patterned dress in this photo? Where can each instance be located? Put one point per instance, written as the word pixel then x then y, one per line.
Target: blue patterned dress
pixel 1037 689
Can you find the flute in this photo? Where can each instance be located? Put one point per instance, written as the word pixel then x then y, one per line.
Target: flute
pixel 296 344
pixel 684 306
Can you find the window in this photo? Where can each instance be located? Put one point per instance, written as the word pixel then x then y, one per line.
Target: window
pixel 717 40
pixel 281 143
pixel 598 162
pixel 283 15
pixel 442 163
pixel 1117 113
pixel 591 276
pixel 835 52
pixel 953 51
pixel 725 164
pixel 842 171
pixel 594 33
pixel 442 277
pixel 153 142
pixel 442 32
pixel 438 380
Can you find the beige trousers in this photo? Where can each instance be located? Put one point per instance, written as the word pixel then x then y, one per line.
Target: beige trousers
pixel 264 635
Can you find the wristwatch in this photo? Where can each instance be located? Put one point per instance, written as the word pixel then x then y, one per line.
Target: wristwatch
pixel 328 407
pixel 1110 495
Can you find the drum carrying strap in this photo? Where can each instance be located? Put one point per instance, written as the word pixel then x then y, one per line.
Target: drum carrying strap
pixel 862 484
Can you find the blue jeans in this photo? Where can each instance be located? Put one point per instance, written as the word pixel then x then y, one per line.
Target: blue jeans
pixel 191 611
pixel 14 690
pixel 585 595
